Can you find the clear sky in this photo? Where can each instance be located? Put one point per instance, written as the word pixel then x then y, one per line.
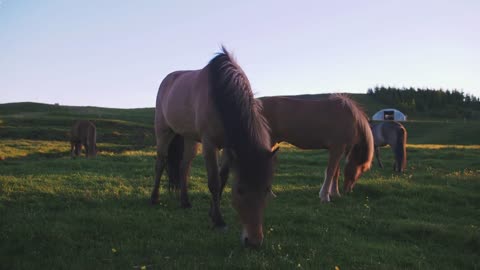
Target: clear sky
pixel 115 53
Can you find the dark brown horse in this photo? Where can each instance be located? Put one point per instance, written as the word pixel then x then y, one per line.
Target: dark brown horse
pixel 84 133
pixel 395 135
pixel 215 106
pixel 336 124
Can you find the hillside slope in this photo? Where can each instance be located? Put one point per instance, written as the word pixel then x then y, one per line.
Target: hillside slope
pixel 135 126
pixel 52 122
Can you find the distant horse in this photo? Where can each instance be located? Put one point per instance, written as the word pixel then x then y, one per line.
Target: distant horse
pixel 395 135
pixel 84 133
pixel 215 106
pixel 336 124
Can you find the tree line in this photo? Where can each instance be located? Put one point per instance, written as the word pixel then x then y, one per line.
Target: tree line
pixel 431 102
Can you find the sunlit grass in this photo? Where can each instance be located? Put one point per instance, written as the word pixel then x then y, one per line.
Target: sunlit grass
pixel 63 213
pixel 442 146
pixel 22 148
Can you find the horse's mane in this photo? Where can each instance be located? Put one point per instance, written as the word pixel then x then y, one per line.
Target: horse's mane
pixel 357 111
pixel 245 127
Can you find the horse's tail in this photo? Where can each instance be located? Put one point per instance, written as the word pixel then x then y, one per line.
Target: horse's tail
pixel 401 149
pixel 361 154
pixel 174 157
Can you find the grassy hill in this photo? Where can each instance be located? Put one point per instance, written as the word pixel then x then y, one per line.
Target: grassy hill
pixel 38 121
pixel 52 122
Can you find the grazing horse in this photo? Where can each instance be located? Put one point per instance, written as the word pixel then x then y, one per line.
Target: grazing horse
pixel 83 133
pixel 215 106
pixel 337 124
pixel 395 135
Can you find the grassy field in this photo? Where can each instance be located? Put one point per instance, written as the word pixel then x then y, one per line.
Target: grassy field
pixel 63 213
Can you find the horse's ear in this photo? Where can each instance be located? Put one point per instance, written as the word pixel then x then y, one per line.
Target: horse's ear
pixel 274 150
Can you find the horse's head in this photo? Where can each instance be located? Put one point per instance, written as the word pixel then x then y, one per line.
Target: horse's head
pixel 352 173
pixel 251 188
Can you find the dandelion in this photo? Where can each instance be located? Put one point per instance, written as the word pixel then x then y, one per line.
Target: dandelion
pixel 299 265
pixel 114 250
pixel 143 267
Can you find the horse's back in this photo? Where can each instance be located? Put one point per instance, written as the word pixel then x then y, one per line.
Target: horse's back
pixel 308 123
pixel 82 130
pixel 387 132
pixel 182 101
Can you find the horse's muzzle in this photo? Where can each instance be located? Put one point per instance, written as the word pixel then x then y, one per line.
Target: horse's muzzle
pixel 251 242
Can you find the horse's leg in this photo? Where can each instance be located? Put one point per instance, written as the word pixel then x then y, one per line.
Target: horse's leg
pixel 333 163
pixel 334 188
pixel 189 153
pixel 76 149
pixel 377 155
pixel 87 150
pixel 210 155
pixel 164 138
pixel 85 146
pixel 72 149
pixel 224 171
pixel 397 165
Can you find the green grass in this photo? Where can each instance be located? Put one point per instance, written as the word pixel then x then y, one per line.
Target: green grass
pixel 62 213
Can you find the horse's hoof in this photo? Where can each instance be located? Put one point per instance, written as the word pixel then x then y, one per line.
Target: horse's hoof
pixel 221 228
pixel 335 195
pixel 154 200
pixel 186 205
pixel 325 199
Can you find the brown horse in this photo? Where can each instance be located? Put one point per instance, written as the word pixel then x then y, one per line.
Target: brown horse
pixel 215 106
pixel 336 124
pixel 395 135
pixel 84 133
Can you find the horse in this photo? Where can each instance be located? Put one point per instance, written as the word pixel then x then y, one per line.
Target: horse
pixel 336 123
pixel 395 135
pixel 215 106
pixel 84 133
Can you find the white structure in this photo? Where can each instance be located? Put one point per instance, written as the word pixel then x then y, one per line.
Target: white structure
pixel 389 114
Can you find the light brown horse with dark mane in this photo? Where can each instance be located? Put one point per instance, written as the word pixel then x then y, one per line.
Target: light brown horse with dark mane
pixel 215 106
pixel 84 133
pixel 336 123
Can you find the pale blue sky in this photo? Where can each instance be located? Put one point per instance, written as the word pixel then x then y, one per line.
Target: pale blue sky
pixel 115 53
